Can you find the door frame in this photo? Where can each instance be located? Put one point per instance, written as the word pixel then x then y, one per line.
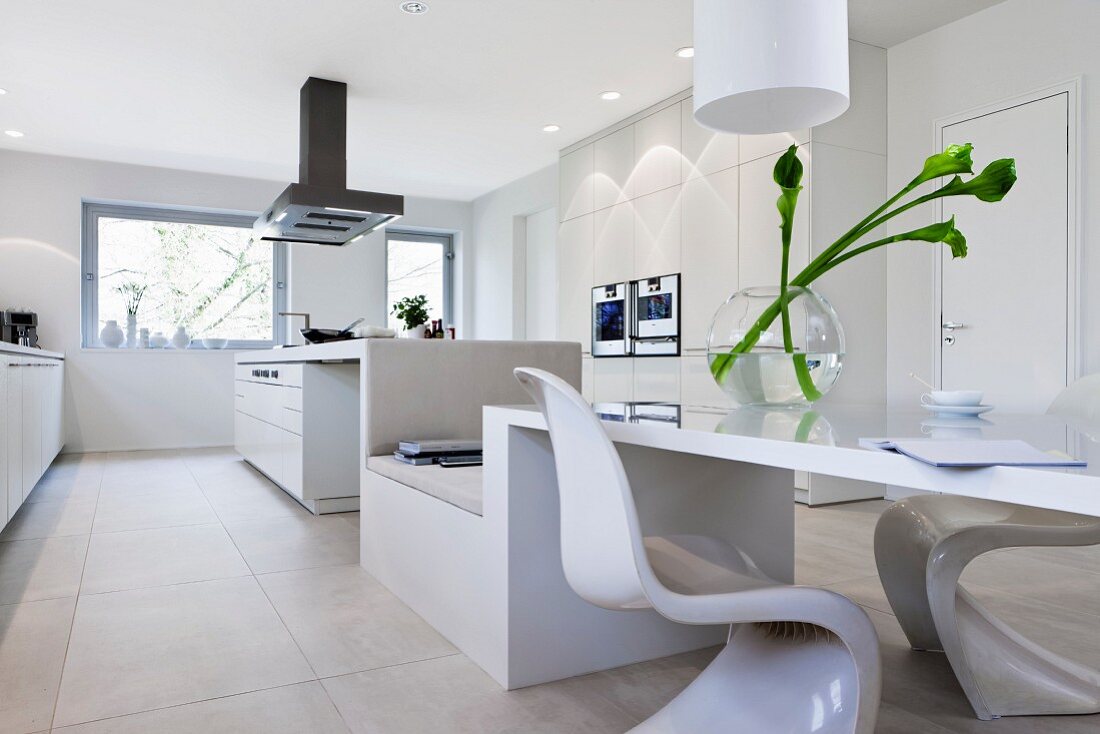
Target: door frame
pixel 1074 190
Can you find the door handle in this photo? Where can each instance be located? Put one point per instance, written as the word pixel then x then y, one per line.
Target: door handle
pixel 952 325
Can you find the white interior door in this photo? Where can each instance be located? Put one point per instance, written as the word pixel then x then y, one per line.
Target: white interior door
pixel 541 278
pixel 1005 321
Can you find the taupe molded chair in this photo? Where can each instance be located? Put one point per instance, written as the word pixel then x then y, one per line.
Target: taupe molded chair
pixel 922 546
pixel 798 659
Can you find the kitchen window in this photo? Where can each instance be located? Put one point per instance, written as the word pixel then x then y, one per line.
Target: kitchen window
pixel 419 263
pixel 203 270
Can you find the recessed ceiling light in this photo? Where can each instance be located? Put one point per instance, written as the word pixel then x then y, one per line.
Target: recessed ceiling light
pixel 13 133
pixel 551 128
pixel 610 95
pixel 414 8
pixel 686 52
pixel 3 91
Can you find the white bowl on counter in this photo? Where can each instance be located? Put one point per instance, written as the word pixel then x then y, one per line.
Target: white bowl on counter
pixel 210 343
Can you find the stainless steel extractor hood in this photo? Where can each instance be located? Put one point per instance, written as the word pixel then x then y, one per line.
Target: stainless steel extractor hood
pixel 320 209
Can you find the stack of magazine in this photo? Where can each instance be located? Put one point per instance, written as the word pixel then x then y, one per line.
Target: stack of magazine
pixel 445 452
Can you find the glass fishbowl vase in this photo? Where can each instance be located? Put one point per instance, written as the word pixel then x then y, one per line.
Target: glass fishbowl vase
pixel 752 362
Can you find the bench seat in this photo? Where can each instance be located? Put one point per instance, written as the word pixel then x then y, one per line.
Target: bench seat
pixel 459 486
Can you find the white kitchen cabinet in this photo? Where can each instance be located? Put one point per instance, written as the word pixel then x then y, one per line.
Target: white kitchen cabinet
pixel 31 393
pixel 657 379
pixel 575 183
pixel 697 387
pixel 754 147
pixel 299 425
pixel 759 251
pixel 575 269
pixel 657 234
pixel 613 380
pixel 708 252
pixel 613 253
pixel 614 167
pixel 13 410
pixel 586 378
pixel 33 388
pixel 657 159
pixel 704 151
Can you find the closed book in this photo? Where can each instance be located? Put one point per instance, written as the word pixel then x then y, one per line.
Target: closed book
pixel 438 446
pixel 415 460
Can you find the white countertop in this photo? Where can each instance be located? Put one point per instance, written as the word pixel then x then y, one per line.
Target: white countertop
pixel 826 441
pixel 7 348
pixel 348 350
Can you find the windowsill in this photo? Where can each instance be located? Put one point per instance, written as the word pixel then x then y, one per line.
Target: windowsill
pixel 169 350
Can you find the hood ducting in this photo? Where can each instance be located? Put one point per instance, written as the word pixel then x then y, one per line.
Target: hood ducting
pixel 320 209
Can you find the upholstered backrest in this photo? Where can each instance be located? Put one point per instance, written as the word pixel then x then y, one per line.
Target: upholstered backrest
pixel 602 549
pixel 1080 401
pixel 427 388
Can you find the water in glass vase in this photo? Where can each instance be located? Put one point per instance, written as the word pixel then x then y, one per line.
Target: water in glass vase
pixel 767 376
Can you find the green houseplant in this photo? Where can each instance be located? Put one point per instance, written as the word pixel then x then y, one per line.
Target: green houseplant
pixel 732 362
pixel 413 313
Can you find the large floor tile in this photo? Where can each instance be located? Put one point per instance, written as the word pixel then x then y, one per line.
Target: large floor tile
pixel 1030 577
pixel 453 695
pixel 135 485
pixel 135 651
pixel 59 488
pixel 345 621
pixel 138 559
pixel 50 519
pixel 303 708
pixel 818 564
pixel 45 568
pixel 32 649
pixel 296 541
pixel 146 511
pixel 245 498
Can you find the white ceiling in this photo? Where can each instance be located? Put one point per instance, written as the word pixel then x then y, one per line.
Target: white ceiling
pixel 447 104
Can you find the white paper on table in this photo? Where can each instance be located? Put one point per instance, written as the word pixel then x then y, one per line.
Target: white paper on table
pixel 970 453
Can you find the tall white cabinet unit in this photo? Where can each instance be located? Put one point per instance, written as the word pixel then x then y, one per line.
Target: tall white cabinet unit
pixel 299 425
pixel 31 423
pixel 658 193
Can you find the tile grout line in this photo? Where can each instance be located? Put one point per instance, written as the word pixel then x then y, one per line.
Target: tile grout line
pixel 252 574
pixel 76 605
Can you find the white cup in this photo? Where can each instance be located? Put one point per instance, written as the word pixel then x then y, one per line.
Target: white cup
pixel 952 397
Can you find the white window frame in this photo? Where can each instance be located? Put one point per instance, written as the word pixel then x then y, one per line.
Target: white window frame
pixel 447 240
pixel 93 210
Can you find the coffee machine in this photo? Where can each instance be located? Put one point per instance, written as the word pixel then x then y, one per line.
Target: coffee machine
pixel 19 327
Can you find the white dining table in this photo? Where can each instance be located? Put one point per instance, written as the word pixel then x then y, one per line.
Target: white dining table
pixel 728 474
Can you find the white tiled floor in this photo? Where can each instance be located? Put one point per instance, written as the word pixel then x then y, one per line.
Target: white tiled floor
pixel 179 591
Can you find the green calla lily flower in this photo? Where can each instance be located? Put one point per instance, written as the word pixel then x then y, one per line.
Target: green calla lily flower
pixel 991 184
pixel 788 169
pixel 955 159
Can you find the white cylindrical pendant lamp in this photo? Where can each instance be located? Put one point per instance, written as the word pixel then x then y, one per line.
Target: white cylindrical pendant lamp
pixel 767 66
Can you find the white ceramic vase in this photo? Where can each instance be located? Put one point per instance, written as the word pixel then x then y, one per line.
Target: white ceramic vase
pixel 416 332
pixel 131 331
pixel 111 336
pixel 181 339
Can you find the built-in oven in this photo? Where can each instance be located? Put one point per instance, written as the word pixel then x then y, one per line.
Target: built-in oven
pixel 656 330
pixel 611 320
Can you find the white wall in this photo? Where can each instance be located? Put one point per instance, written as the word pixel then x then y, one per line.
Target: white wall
pixel 1007 50
pixel 118 400
pixel 337 285
pixel 498 287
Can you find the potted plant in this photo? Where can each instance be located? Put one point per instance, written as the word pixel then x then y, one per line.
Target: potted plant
pixel 412 311
pixel 758 362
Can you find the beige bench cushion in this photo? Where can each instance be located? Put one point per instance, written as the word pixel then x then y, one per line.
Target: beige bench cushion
pixel 459 486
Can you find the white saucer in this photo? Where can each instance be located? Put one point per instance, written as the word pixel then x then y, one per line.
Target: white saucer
pixel 957 409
